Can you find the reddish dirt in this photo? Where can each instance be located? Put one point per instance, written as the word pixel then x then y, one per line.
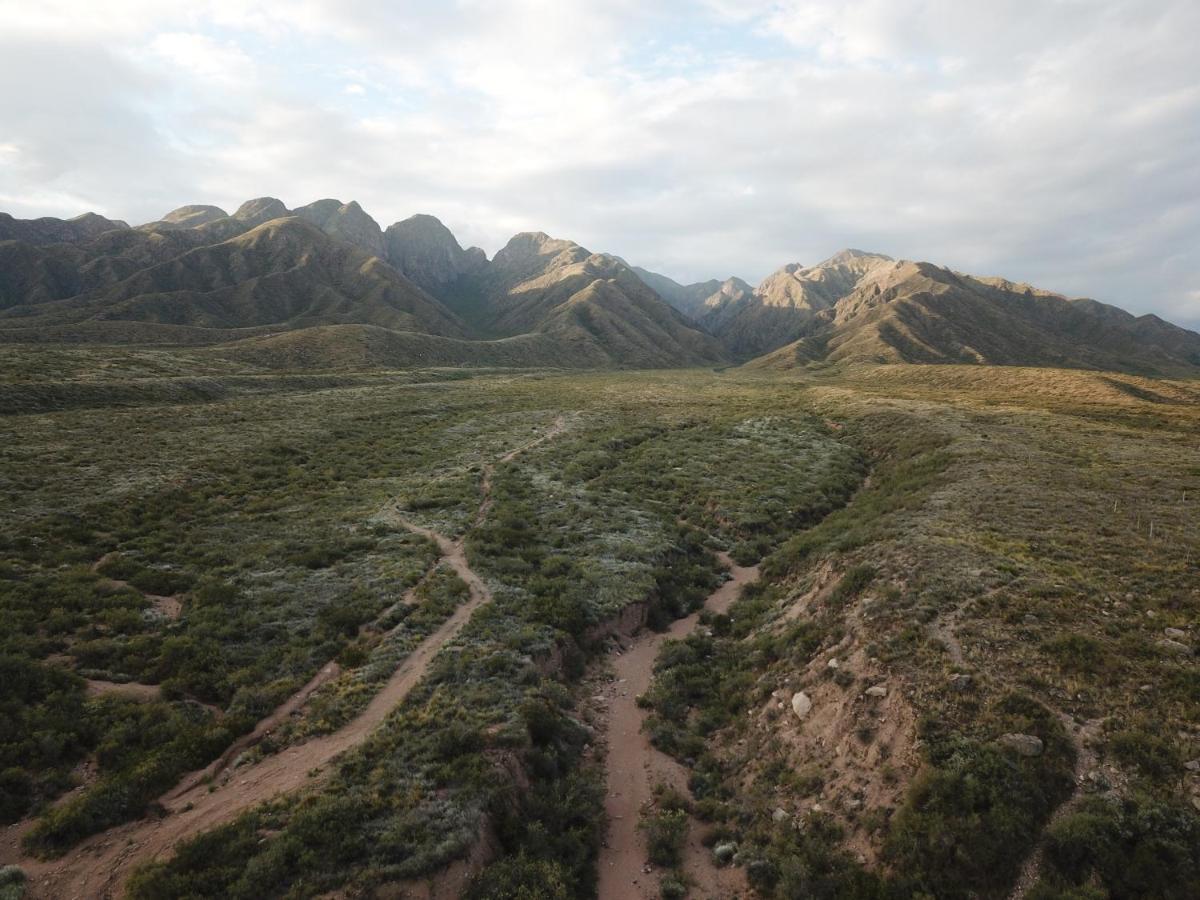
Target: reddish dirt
pixel 635 767
pixel 99 866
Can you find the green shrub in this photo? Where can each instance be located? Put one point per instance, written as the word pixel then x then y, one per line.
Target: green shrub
pixel 666 831
pixel 1076 652
pixel 970 820
pixel 1148 751
pixel 1125 850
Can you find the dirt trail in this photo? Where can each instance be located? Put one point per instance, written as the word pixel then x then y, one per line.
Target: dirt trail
pixel 1084 736
pixel 485 483
pixel 634 767
pixel 99 866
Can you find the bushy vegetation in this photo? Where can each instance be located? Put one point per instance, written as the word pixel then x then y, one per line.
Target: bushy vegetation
pixel 564 547
pixel 1138 847
pixel 1001 537
pixel 969 820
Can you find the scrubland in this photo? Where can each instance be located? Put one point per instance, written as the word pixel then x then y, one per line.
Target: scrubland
pixel 983 551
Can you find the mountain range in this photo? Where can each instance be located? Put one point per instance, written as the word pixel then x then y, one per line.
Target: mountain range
pixel 323 286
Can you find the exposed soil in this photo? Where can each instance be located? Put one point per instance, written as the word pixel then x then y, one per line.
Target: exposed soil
pixel 634 767
pixel 100 866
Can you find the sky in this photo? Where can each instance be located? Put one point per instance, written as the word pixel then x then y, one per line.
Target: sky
pixel 1049 141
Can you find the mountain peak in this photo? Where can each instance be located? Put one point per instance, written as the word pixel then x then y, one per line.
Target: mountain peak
pixel 427 253
pixel 850 255
pixel 347 222
pixel 261 209
pixel 531 244
pixel 193 215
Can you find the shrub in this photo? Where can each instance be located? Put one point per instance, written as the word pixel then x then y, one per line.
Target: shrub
pixel 665 831
pixel 1076 652
pixel 1134 848
pixel 1149 751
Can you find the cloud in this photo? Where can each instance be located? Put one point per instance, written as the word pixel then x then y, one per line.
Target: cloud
pixel 1055 142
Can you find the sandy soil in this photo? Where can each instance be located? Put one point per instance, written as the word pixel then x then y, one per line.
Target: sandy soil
pixel 100 866
pixel 634 767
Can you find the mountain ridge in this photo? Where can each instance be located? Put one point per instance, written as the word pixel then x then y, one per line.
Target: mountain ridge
pixel 199 275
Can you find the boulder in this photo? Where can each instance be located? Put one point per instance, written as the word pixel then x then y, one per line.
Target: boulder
pixel 960 682
pixel 1174 647
pixel 801 704
pixel 1024 744
pixel 877 690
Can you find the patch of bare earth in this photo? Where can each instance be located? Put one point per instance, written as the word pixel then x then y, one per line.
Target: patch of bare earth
pixel 856 738
pixel 634 767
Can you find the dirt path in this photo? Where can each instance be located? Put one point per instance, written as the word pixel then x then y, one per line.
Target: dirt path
pixel 485 483
pixel 100 866
pixel 634 767
pixel 1084 737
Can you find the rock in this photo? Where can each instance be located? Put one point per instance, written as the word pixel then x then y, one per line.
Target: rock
pixel 1176 633
pixel 1030 619
pixel 960 682
pixel 1174 647
pixel 1024 744
pixel 1192 765
pixel 780 815
pixel 833 664
pixel 801 704
pixel 877 690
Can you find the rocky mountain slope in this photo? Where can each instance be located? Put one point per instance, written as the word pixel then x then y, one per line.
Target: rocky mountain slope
pixel 427 253
pixel 200 276
pixel 590 301
pixel 910 312
pixel 858 307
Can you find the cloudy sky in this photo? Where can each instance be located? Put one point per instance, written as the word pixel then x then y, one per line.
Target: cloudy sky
pixel 1052 141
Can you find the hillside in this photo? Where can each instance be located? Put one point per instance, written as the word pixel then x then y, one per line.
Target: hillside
pixel 592 302
pixel 785 306
pixel 283 273
pixel 49 230
pixel 371 347
pixel 199 276
pixel 920 313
